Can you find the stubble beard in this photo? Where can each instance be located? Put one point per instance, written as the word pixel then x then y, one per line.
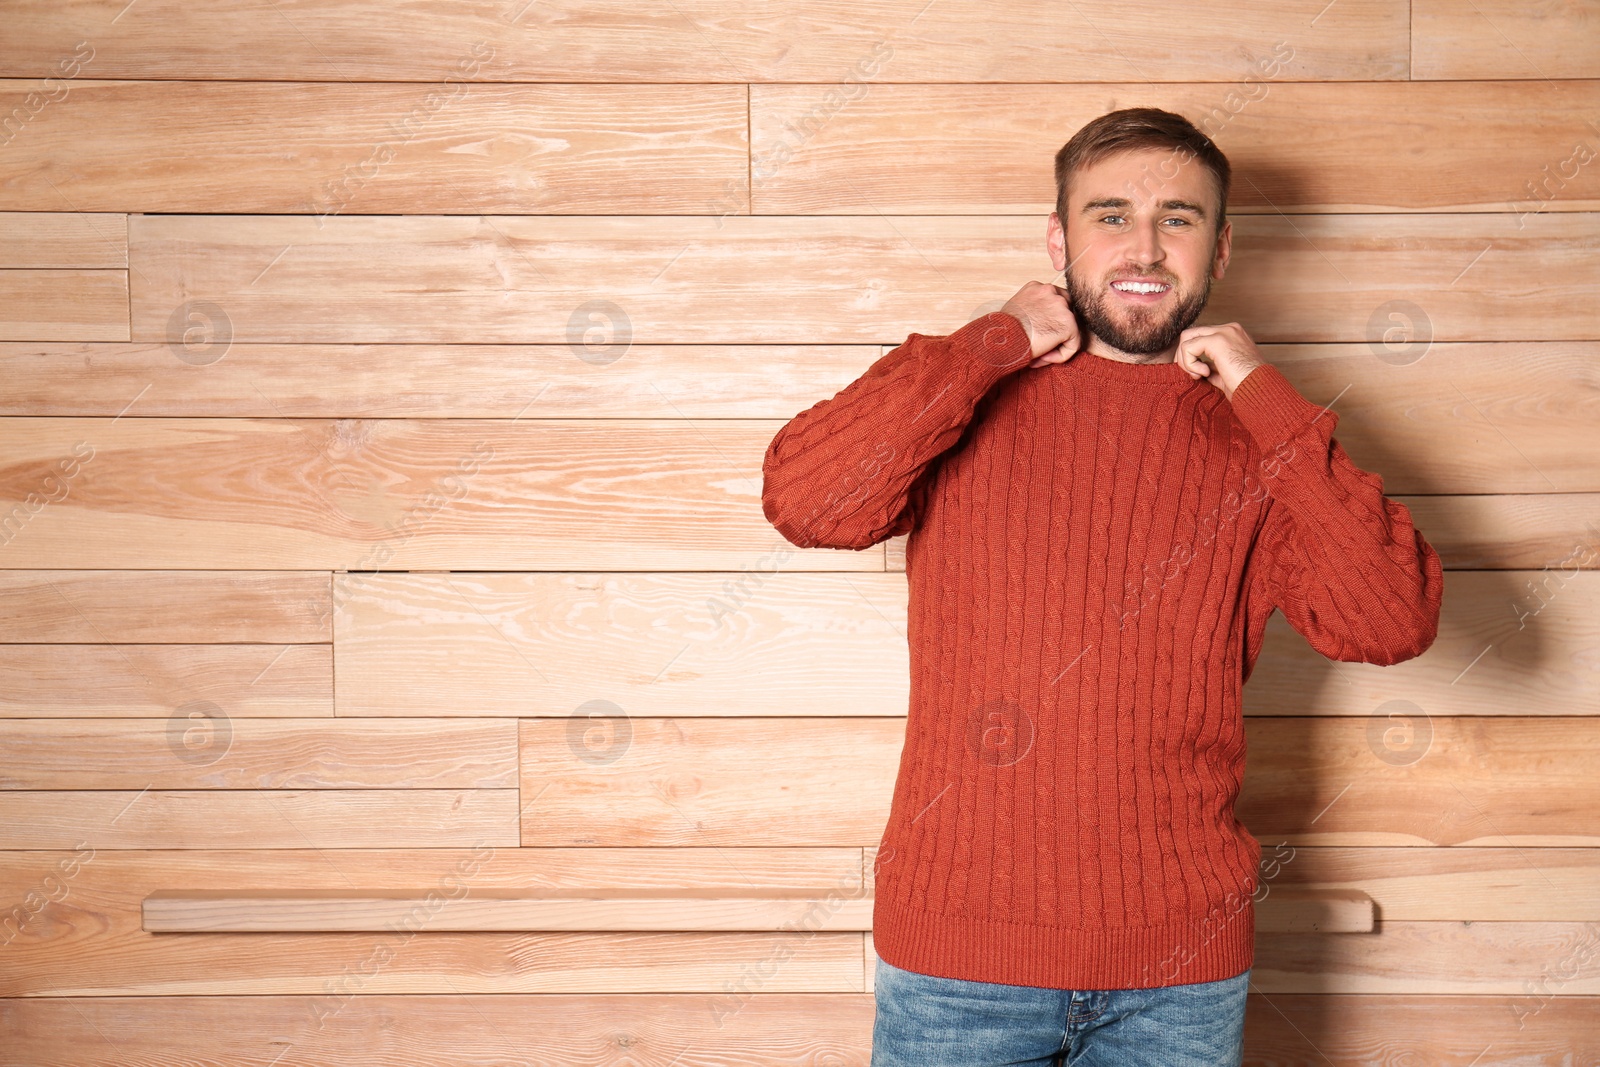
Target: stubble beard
pixel 1133 329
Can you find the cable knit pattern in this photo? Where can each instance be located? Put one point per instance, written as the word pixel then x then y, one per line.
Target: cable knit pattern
pixel 1095 548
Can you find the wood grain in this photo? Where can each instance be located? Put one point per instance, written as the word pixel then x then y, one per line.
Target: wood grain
pixel 323 150
pixel 709 40
pixel 257 818
pixel 48 682
pixel 163 607
pixel 825 1030
pixel 845 279
pixel 1511 643
pixel 59 239
pixel 445 381
pixel 218 752
pixel 1286 910
pixel 1420 146
pixel 598 645
pixel 1505 39
pixel 63 305
pixel 83 934
pixel 53 954
pixel 1412 780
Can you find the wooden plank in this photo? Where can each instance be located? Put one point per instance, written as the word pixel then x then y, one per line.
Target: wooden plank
pixel 63 305
pixel 708 782
pixel 154 681
pixel 710 40
pixel 1505 39
pixel 834 645
pixel 212 751
pixel 795 910
pixel 1536 420
pixel 1287 910
pixel 351 148
pixel 49 954
pixel 1301 910
pixel 399 495
pixel 1469 146
pixel 450 381
pixel 534 644
pixel 258 818
pixel 846 279
pixel 164 607
pixel 1515 645
pixel 828 1030
pixel 56 239
pixel 1443 780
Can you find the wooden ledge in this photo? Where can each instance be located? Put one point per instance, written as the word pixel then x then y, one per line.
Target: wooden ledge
pixel 459 908
pixel 1284 910
pixel 1308 910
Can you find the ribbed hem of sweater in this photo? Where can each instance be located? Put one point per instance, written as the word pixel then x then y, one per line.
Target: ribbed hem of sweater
pixel 1058 957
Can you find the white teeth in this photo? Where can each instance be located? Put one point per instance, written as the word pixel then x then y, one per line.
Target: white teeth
pixel 1139 287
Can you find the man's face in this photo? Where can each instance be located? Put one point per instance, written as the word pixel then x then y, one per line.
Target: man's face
pixel 1145 216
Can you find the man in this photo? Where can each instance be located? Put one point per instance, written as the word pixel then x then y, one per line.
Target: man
pixel 1105 503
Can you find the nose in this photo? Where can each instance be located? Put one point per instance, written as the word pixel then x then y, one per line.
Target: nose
pixel 1145 242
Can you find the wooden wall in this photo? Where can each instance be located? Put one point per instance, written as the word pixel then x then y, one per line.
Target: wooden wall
pixel 384 396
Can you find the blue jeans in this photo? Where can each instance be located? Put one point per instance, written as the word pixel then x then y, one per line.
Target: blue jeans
pixel 924 1021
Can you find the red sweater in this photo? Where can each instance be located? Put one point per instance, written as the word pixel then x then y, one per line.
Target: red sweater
pixel 1094 550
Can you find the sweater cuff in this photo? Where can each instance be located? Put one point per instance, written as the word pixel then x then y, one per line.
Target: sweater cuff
pixel 1270 407
pixel 993 346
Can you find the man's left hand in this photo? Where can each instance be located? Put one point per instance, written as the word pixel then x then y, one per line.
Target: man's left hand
pixel 1224 354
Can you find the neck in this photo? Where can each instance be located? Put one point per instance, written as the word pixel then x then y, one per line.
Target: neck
pixel 1099 347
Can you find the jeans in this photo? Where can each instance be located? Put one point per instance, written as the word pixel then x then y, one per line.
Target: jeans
pixel 924 1021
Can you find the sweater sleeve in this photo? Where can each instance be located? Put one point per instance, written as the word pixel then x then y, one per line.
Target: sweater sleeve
pixel 1343 562
pixel 845 472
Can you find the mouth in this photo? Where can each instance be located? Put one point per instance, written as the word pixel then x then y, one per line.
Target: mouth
pixel 1141 290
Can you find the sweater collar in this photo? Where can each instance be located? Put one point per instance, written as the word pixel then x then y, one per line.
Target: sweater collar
pixel 1156 375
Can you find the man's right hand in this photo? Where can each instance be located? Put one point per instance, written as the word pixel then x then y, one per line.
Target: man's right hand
pixel 1046 315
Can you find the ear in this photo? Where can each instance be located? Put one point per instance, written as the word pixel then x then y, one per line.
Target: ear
pixel 1224 250
pixel 1055 241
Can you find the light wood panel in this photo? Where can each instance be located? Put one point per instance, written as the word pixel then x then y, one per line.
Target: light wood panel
pixel 1430 780
pixel 64 754
pixel 820 1030
pixel 691 644
pixel 711 40
pixel 767 642
pixel 49 956
pixel 365 149
pixel 844 279
pixel 481 494
pixel 1512 643
pixel 1505 39
pixel 349 148
pixel 162 607
pixel 258 818
pixel 54 955
pixel 63 305
pixel 1420 146
pixel 56 239
pixel 1286 910
pixel 445 381
pixel 48 682
pixel 794 910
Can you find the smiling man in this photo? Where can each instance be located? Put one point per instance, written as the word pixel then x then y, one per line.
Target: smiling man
pixel 1105 503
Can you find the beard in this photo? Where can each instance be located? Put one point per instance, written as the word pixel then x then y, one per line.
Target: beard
pixel 1131 328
